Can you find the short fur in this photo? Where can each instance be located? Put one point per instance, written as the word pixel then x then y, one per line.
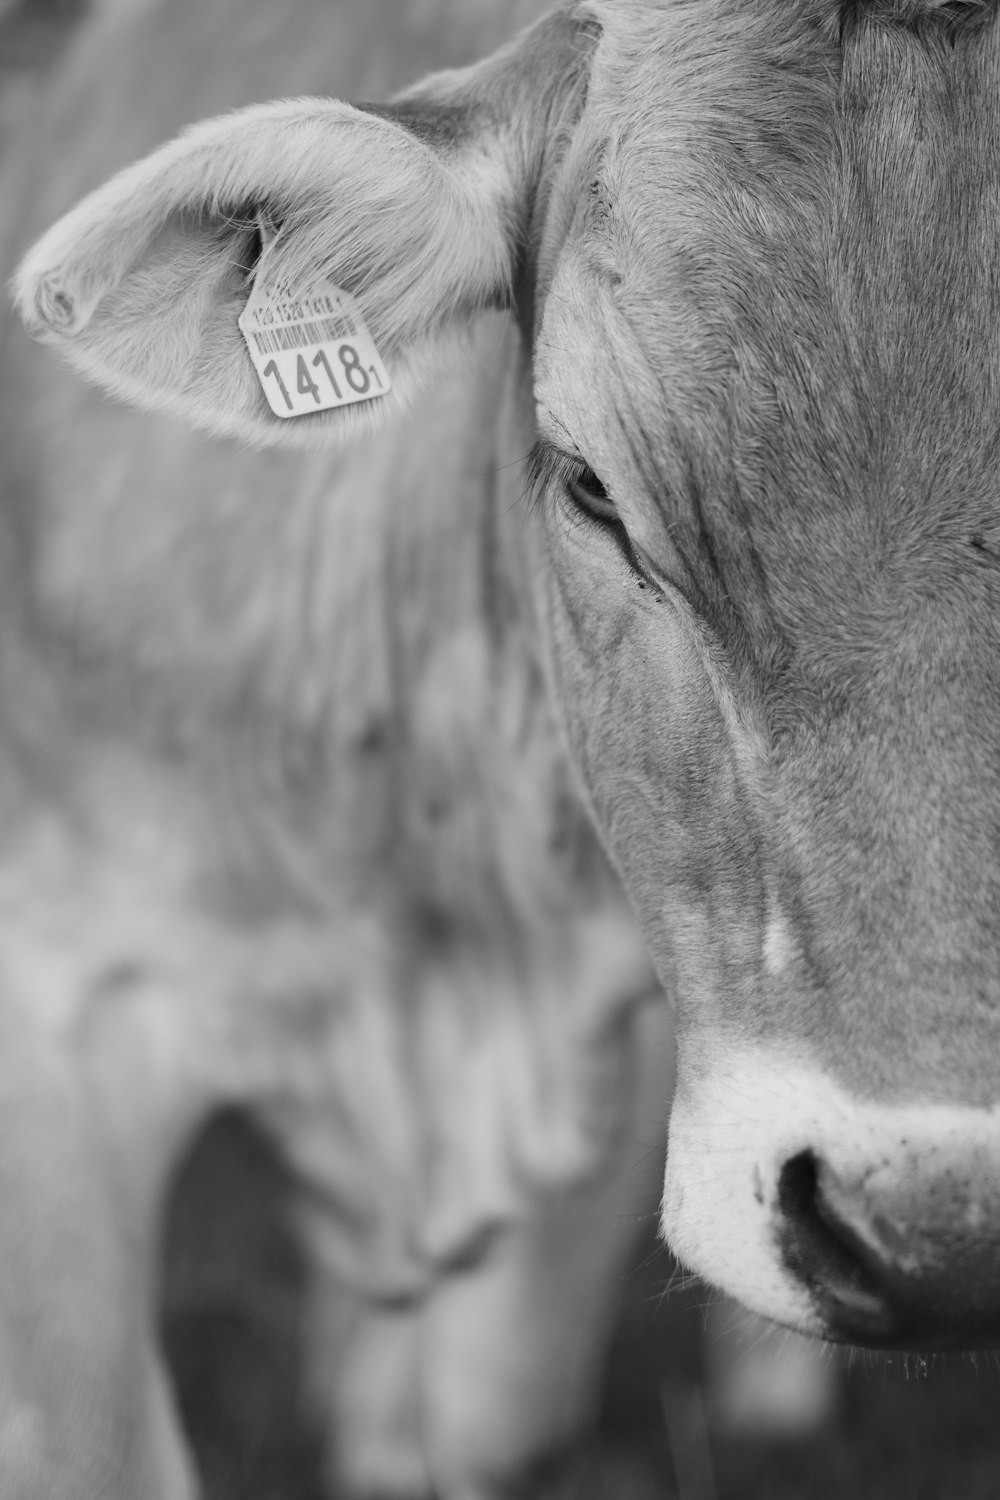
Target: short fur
pixel 360 710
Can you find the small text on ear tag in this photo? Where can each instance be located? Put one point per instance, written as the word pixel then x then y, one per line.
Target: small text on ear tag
pixel 311 350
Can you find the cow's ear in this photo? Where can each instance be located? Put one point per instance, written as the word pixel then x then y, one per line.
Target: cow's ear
pixel 415 212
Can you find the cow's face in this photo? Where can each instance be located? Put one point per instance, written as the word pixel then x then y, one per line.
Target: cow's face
pixel 761 297
pixel 769 419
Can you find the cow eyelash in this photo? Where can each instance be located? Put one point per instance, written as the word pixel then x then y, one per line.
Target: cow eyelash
pixel 583 486
pixel 587 493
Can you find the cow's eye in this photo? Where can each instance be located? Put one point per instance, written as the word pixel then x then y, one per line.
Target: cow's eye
pixel 589 493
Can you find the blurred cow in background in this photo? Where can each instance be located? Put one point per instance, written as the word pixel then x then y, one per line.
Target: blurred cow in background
pixel 287 741
pixel 290 826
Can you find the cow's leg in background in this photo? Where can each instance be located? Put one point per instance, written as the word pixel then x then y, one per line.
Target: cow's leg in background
pixel 85 1412
pixel 117 1045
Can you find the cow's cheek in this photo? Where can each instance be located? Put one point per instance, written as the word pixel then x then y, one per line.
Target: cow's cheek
pixel 650 745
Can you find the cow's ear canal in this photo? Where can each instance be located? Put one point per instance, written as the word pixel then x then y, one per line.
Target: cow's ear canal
pixel 261 228
pixel 249 254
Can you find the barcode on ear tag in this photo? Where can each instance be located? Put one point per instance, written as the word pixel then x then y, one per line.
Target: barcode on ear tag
pixel 311 350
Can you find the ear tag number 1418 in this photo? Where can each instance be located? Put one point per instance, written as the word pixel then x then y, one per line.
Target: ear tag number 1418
pixel 311 351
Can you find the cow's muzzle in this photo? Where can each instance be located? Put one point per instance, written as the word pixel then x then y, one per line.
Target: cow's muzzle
pixel 865 1222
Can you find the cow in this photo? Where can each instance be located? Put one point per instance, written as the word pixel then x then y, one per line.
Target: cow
pixel 327 758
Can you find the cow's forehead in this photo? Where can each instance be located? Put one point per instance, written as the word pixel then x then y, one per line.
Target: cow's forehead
pixel 781 282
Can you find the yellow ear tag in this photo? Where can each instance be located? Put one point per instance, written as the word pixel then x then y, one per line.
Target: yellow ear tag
pixel 311 349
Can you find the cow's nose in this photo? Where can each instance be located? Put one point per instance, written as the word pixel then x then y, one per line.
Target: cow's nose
pixel 823 1249
pixel 886 1267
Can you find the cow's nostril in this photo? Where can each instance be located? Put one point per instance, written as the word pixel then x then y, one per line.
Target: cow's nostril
pixel 822 1250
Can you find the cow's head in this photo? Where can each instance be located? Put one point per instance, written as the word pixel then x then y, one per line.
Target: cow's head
pixel 754 252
